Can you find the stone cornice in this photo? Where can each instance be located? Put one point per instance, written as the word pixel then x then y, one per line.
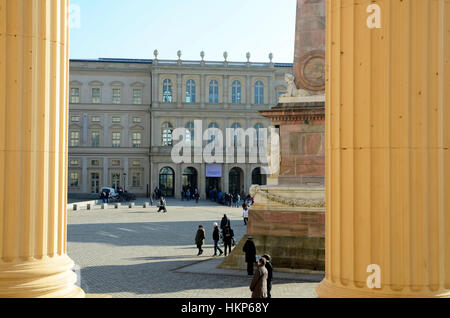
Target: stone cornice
pixel 293 113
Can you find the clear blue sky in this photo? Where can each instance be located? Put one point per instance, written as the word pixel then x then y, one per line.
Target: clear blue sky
pixel 135 28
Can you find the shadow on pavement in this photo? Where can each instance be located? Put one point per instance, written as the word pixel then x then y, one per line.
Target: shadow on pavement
pixel 141 279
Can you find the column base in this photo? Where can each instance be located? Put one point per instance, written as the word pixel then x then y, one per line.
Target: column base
pixel 49 277
pixel 327 289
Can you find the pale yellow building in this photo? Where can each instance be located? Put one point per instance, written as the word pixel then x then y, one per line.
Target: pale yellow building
pixel 123 113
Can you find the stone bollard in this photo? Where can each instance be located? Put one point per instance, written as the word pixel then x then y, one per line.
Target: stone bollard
pixel 104 206
pixel 145 205
pixel 75 207
pixel 131 205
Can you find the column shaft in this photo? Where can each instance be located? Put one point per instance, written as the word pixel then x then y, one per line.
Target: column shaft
pixel 388 138
pixel 33 150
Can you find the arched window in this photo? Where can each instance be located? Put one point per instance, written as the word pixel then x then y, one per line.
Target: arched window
pixel 190 133
pixel 237 134
pixel 190 91
pixel 258 178
pixel 167 91
pixel 236 92
pixel 211 136
pixel 166 134
pixel 259 93
pixel 258 137
pixel 167 182
pixel 214 92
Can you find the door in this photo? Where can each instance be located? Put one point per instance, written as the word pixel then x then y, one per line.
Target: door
pixel 95 182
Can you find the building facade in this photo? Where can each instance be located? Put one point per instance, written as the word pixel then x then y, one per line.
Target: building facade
pixel 123 114
pixel 109 126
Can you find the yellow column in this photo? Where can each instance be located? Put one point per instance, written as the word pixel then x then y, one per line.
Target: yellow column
pixel 388 139
pixel 33 150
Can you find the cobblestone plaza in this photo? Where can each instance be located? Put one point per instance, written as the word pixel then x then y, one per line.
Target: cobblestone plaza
pixel 138 252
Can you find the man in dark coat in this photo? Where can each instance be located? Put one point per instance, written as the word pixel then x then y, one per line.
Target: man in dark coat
pixel 269 268
pixel 216 238
pixel 250 254
pixel 228 236
pixel 200 239
pixel 224 223
pixel 259 282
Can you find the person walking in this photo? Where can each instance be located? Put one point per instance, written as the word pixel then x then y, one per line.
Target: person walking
pixel 269 268
pixel 250 254
pixel 245 213
pixel 258 286
pixel 224 222
pixel 162 205
pixel 196 195
pixel 228 236
pixel 200 239
pixel 216 238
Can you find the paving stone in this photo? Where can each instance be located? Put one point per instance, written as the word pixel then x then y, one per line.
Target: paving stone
pixel 139 252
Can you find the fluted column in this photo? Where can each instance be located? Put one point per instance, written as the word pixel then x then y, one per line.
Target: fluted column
pixel 388 159
pixel 33 150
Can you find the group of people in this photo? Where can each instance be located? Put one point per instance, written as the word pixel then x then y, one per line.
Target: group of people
pixel 225 232
pixel 232 200
pixel 190 193
pixel 261 284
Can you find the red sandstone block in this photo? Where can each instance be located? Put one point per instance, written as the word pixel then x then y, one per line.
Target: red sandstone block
pixel 316 230
pixel 309 218
pixel 281 217
pixel 321 218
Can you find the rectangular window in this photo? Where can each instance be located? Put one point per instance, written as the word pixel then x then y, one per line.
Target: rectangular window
pixel 136 179
pixel 95 163
pixel 74 162
pixel 116 139
pixel 115 163
pixel 137 140
pixel 75 119
pixel 95 139
pixel 75 95
pixel 96 98
pixel 116 96
pixel 96 119
pixel 137 96
pixel 116 120
pixel 136 163
pixel 137 120
pixel 74 139
pixel 74 179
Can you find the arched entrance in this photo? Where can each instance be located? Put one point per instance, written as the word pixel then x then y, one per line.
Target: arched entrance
pixel 190 177
pixel 258 178
pixel 167 182
pixel 236 181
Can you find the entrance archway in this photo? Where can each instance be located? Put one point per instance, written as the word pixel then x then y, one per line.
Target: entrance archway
pixel 167 182
pixel 258 178
pixel 236 181
pixel 190 177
